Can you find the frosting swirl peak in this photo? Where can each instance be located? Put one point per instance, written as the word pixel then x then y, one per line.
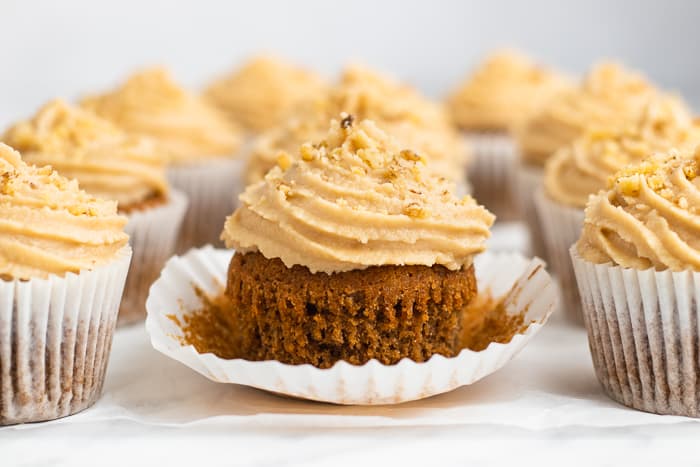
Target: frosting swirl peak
pixel 354 200
pixel 49 226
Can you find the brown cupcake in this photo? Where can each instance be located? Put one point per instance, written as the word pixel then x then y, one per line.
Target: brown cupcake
pixel 352 250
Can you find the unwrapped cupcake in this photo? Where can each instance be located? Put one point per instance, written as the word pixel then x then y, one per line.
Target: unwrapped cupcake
pixel 503 91
pixel 583 167
pixel 609 96
pixel 264 92
pixel 202 146
pixel 64 257
pixel 365 255
pixel 413 119
pixel 637 264
pixel 110 164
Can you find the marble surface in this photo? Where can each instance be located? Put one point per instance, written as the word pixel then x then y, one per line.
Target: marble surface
pixel 543 408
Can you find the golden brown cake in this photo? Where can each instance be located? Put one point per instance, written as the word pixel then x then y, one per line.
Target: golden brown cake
pixel 352 250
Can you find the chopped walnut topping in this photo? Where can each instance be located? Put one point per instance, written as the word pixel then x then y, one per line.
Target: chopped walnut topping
pixel 284 161
pixel 416 211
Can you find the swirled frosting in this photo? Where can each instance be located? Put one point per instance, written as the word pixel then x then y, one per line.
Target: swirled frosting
pixel 151 104
pixel 49 226
pixel 354 200
pixel 107 162
pixel 264 92
pixel 583 167
pixel 417 122
pixel 609 96
pixel 648 217
pixel 502 92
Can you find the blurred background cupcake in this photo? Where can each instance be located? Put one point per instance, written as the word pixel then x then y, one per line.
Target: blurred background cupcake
pixel 609 95
pixel 63 262
pixel 264 92
pixel 202 146
pixel 110 164
pixel 637 264
pixel 497 97
pixel 583 168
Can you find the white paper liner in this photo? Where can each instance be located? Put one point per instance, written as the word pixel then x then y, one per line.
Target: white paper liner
pixel 491 172
pixel 212 188
pixel 371 383
pixel 152 235
pixel 528 180
pixel 55 338
pixel 561 228
pixel 643 334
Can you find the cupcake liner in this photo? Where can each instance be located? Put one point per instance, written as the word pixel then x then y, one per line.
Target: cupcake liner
pixel 561 228
pixel 643 334
pixel 491 172
pixel 528 180
pixel 152 234
pixel 371 383
pixel 212 188
pixel 55 338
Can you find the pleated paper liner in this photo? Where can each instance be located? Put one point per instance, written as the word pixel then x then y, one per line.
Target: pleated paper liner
pixel 528 179
pixel 212 187
pixel 176 293
pixel 55 339
pixel 561 228
pixel 152 235
pixel 643 335
pixel 491 172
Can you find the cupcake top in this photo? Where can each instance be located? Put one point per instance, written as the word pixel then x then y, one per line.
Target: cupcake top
pixel 648 217
pixel 49 226
pixel 151 104
pixel 609 96
pixel 503 91
pixel 583 167
pixel 355 199
pixel 417 122
pixel 264 92
pixel 107 162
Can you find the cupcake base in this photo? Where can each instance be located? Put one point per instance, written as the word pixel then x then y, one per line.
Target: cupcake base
pixel 384 312
pixel 643 335
pixel 55 340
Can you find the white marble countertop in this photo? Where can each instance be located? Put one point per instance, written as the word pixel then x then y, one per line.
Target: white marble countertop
pixel 544 408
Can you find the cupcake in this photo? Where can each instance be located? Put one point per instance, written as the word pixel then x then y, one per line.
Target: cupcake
pixel 110 164
pixel 63 262
pixel 365 253
pixel 201 146
pixel 608 97
pixel 637 264
pixel 583 167
pixel 264 92
pixel 414 120
pixel 502 92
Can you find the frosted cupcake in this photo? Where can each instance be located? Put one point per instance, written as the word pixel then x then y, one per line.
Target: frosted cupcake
pixel 637 264
pixel 202 147
pixel 583 168
pixel 365 252
pixel 414 120
pixel 503 91
pixel 609 96
pixel 63 262
pixel 264 92
pixel 110 164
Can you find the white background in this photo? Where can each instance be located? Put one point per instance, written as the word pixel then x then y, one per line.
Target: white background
pixel 68 47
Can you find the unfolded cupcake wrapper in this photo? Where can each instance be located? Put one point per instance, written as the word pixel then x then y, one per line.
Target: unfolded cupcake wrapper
pixel 561 228
pixel 643 334
pixel 152 234
pixel 491 172
pixel 212 187
pixel 528 180
pixel 533 293
pixel 55 339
